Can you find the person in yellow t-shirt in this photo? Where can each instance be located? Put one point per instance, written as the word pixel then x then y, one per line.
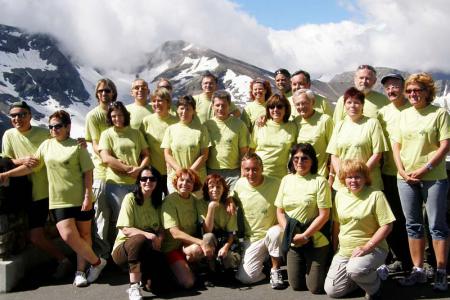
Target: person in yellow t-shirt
pixel 154 126
pixel 186 143
pixel 138 243
pixel 313 127
pixel 273 140
pixel 421 143
pixel 364 79
pixel 125 153
pixel 96 123
pixel 362 219
pixel 306 197
pixel 283 82
pixel 260 92
pixel 357 137
pixel 69 170
pixel 229 140
pixel 140 108
pixel 255 195
pixel 182 215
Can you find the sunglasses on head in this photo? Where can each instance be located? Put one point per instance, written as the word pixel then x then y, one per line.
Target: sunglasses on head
pixel 147 178
pixel 56 126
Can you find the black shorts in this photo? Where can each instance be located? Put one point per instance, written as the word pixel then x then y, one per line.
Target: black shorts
pixel 37 213
pixel 72 213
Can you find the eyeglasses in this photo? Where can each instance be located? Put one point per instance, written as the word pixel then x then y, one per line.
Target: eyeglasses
pixel 20 115
pixel 140 87
pixel 279 106
pixel 416 91
pixel 302 158
pixel 107 91
pixel 56 126
pixel 147 178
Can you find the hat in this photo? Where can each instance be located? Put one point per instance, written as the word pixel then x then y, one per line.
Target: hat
pixel 20 104
pixel 283 71
pixel 392 75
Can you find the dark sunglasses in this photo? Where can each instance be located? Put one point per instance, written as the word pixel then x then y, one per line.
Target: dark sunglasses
pixel 56 126
pixel 20 115
pixel 107 91
pixel 279 106
pixel 147 178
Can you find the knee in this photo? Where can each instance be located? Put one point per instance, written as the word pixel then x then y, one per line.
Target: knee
pixel 331 290
pixel 187 283
pixel 274 233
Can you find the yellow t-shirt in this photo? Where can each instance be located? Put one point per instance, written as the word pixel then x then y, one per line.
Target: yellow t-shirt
pixel 358 140
pixel 359 217
pixel 96 123
pixel 138 113
pixel 186 143
pixel 272 143
pixel 125 144
pixel 182 213
pixel 227 137
pixel 388 117
pixel 252 111
pixel 223 220
pixel 257 204
pixel 66 162
pixel 17 145
pixel 373 102
pixel 320 104
pixel 144 217
pixel 301 197
pixel 154 128
pixel 203 107
pixel 419 132
pixel 317 131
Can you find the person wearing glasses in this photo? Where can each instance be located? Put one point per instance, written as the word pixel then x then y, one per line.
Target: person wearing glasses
pixel 302 80
pixel 274 139
pixel 19 144
pixel 138 243
pixel 165 83
pixel 69 169
pixel 304 196
pixel 283 82
pixel 125 153
pixel 260 92
pixel 364 79
pixel 140 108
pixel 96 123
pixel 421 143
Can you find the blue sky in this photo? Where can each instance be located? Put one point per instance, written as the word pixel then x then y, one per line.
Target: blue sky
pixel 289 14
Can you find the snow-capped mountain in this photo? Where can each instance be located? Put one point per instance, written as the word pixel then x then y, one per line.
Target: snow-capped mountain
pixel 33 68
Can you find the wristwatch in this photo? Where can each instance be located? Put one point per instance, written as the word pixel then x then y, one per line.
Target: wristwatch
pixel 429 166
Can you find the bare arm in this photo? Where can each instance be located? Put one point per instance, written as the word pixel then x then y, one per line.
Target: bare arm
pixel 398 162
pixel 95 147
pixel 170 160
pixel 200 161
pixel 438 156
pixel 335 162
pixel 377 237
pixel 335 235
pixel 316 225
pixel 242 151
pixel 208 225
pixel 113 162
pixel 373 160
pixel 145 159
pixel 87 202
pixel 281 218
pixel 182 236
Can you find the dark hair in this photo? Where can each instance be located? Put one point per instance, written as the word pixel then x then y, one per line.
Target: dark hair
pixel 20 104
pixel 223 95
pixel 282 71
pixel 186 100
pixel 304 73
pixel 222 181
pixel 118 105
pixel 62 115
pixel 163 79
pixel 306 149
pixel 110 84
pixel 354 93
pixel 277 99
pixel 209 74
pixel 157 192
pixel 266 85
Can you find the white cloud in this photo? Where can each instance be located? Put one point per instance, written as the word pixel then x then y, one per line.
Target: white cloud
pixel 406 34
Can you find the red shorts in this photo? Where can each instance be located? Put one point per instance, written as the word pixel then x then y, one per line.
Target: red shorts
pixel 174 256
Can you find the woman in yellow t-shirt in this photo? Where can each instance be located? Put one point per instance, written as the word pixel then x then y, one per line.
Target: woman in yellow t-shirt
pixel 260 92
pixel 304 196
pixel 362 219
pixel 273 140
pixel 421 144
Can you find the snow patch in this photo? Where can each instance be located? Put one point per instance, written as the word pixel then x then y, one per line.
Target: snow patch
pixel 24 59
pixel 197 65
pixel 238 87
pixel 188 47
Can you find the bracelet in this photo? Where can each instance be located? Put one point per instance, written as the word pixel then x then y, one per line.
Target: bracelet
pixel 332 174
pixel 429 166
pixel 371 244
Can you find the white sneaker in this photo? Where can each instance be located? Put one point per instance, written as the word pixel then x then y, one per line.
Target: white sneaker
pixel 94 272
pixel 80 279
pixel 276 279
pixel 134 292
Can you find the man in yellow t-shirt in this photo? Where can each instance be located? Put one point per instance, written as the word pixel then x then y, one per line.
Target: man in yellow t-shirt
pixel 229 140
pixel 20 144
pixel 365 78
pixel 140 108
pixel 283 82
pixel 255 194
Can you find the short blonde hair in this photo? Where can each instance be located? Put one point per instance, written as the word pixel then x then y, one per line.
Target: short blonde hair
pixel 354 166
pixel 426 81
pixel 164 94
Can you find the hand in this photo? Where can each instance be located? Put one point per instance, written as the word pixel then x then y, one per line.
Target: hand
pixel 231 206
pixel 299 239
pixel 3 178
pixel 408 179
pixel 223 252
pixel 87 203
pixel 134 172
pixel 82 142
pixel 156 242
pixel 208 251
pixel 360 251
pixel 418 174
pixel 213 205
pixel 261 121
pixel 29 161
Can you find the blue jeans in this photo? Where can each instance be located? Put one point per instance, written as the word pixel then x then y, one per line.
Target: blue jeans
pixel 114 197
pixel 434 194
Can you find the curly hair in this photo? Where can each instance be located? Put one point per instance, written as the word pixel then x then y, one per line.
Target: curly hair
pixel 426 81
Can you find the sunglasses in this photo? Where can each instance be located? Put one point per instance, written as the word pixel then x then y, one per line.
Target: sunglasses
pixel 20 115
pixel 56 126
pixel 279 106
pixel 107 91
pixel 416 91
pixel 147 178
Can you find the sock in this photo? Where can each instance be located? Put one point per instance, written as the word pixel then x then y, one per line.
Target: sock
pixel 97 263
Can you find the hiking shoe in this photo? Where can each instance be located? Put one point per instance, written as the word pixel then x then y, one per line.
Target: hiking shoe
pixel 395 267
pixel 383 272
pixel 414 277
pixel 63 269
pixel 80 279
pixel 94 272
pixel 440 281
pixel 429 270
pixel 276 279
pixel 376 296
pixel 134 292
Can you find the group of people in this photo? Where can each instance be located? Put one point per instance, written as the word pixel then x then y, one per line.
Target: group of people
pixel 169 186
